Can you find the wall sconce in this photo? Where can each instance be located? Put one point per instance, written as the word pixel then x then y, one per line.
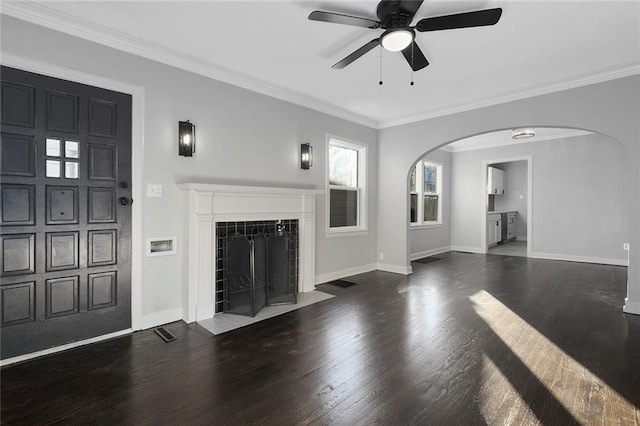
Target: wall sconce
pixel 186 138
pixel 306 156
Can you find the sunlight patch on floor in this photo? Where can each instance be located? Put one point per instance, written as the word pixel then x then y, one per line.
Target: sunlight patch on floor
pixel 499 397
pixel 583 395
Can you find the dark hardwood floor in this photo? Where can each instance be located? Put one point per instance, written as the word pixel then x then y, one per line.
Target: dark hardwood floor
pixel 469 339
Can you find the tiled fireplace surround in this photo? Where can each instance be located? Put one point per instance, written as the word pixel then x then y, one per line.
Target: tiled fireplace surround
pixel 207 204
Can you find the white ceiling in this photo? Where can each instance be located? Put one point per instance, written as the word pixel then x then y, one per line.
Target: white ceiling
pixel 271 47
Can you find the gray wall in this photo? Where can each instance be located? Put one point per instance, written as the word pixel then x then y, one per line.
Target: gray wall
pixel 580 197
pixel 433 238
pixel 515 186
pixel 611 108
pixel 242 138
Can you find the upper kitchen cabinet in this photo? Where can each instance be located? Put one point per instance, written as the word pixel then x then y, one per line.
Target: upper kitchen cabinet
pixel 495 181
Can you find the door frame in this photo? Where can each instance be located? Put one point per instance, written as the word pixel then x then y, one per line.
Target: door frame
pixel 484 205
pixel 137 166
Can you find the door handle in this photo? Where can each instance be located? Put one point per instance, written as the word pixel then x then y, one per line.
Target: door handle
pixel 125 201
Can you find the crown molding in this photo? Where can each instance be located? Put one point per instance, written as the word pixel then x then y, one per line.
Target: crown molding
pixel 577 80
pixel 40 14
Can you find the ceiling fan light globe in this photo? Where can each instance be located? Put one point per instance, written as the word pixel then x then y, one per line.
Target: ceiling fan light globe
pixel 397 40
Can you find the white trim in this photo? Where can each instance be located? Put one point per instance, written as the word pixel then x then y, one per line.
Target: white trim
pixel 631 307
pixel 427 253
pixel 577 80
pixel 395 269
pixel 49 351
pixel 521 238
pixel 420 192
pixel 137 158
pixel 160 318
pixel 582 259
pixel 42 15
pixel 427 225
pixel 476 250
pixel 336 275
pixel 256 191
pixel 362 188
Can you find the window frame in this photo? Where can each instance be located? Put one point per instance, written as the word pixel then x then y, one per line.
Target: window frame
pixel 361 188
pixel 420 194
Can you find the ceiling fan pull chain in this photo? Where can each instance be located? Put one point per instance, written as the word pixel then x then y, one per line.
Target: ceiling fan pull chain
pixel 380 82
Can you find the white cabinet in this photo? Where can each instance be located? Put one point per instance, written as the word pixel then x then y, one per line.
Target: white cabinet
pixel 495 181
pixel 494 229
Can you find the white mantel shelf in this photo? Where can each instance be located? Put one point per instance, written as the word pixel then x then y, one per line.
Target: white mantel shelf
pixel 241 189
pixel 211 203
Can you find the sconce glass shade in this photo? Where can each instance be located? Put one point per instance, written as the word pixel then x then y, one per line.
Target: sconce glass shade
pixel 186 138
pixel 306 156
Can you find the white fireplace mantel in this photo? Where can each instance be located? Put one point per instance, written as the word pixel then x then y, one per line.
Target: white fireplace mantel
pixel 211 203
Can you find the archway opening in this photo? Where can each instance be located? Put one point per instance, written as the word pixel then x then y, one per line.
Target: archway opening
pixel 567 191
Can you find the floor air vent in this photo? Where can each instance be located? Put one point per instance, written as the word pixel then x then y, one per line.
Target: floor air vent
pixel 164 334
pixel 427 259
pixel 341 283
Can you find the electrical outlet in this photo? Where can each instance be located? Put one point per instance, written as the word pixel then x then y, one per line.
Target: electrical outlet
pixel 381 255
pixel 625 246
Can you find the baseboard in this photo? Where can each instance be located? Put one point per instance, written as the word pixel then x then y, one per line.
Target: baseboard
pixel 61 348
pixel 469 249
pixel 582 259
pixel 631 307
pixel 428 253
pixel 521 238
pixel 159 318
pixel 396 269
pixel 336 275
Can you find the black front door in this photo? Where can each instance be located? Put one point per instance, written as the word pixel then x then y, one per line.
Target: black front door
pixel 65 212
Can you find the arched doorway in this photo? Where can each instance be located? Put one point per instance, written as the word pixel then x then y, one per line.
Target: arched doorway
pixel 564 197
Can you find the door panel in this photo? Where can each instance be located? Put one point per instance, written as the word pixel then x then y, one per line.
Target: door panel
pixel 65 238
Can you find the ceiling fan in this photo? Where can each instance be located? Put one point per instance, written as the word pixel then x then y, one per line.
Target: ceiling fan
pixel 395 18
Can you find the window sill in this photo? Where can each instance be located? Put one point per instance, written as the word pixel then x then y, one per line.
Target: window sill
pixel 427 226
pixel 332 233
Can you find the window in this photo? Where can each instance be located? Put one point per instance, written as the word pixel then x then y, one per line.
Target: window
pixel 425 193
pixel 346 186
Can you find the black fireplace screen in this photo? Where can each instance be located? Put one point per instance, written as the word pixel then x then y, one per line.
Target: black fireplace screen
pixel 257 265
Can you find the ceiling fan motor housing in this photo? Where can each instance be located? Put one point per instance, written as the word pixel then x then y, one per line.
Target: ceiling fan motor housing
pixel 393 16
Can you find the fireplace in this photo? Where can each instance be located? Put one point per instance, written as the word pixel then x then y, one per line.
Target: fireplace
pixel 258 265
pixel 207 206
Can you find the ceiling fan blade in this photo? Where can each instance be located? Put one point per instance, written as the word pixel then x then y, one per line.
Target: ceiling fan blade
pixel 355 55
pixel 413 54
pixel 479 18
pixel 409 7
pixel 338 18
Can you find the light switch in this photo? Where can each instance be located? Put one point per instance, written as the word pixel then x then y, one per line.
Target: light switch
pixel 154 191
